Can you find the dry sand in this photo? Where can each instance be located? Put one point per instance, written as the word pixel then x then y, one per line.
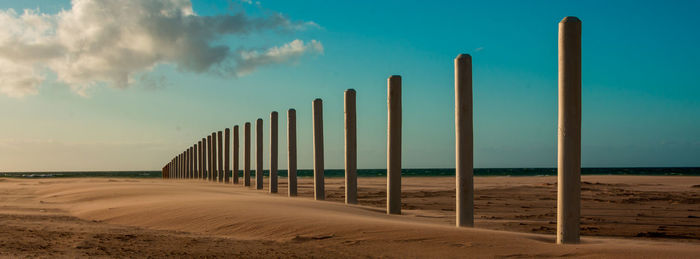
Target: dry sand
pixel 92 217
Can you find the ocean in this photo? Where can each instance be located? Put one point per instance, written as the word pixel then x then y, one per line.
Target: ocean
pixel 419 172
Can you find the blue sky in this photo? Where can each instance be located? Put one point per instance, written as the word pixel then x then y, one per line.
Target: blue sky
pixel 640 88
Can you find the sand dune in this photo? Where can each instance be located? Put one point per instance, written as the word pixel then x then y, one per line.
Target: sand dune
pixel 93 217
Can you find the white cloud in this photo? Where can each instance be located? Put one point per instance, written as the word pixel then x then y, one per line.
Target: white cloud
pixel 113 42
pixel 249 60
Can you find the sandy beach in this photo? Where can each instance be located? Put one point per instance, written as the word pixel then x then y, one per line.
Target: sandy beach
pixel 622 216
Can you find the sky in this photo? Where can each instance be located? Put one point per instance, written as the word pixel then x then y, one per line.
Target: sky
pixel 126 85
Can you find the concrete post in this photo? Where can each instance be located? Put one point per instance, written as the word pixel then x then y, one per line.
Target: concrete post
pixel 350 148
pixel 292 152
pixel 235 154
pixel 273 152
pixel 319 184
pixel 393 149
pixel 246 154
pixel 569 134
pixel 259 154
pixel 220 155
pixel 464 147
pixel 227 155
pixel 210 168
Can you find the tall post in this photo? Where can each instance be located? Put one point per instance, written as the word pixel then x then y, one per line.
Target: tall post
pixel 204 159
pixel 319 184
pixel 192 163
pixel 214 163
pixel 199 160
pixel 189 162
pixel 235 154
pixel 569 134
pixel 209 159
pixel 292 152
pixel 464 144
pixel 350 148
pixel 246 154
pixel 259 154
pixel 195 161
pixel 393 149
pixel 273 152
pixel 220 155
pixel 227 155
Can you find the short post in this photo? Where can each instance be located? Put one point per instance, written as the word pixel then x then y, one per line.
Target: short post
pixel 273 152
pixel 246 154
pixel 259 154
pixel 350 148
pixel 393 150
pixel 292 152
pixel 220 157
pixel 464 147
pixel 235 154
pixel 319 184
pixel 210 168
pixel 569 133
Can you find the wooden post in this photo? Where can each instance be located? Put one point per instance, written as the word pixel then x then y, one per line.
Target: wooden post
pixel 393 155
pixel 259 154
pixel 319 184
pixel 227 155
pixel 201 161
pixel 350 148
pixel 292 152
pixel 190 163
pixel 203 154
pixel 235 154
pixel 220 155
pixel 464 147
pixel 209 159
pixel 569 134
pixel 273 152
pixel 214 154
pixel 246 154
pixel 195 170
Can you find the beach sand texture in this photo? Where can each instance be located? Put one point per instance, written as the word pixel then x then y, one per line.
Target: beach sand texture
pixel 640 216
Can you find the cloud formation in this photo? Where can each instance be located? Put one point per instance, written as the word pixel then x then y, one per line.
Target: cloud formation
pixel 105 42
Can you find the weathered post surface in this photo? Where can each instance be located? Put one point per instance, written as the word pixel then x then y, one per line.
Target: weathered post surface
pixel 220 155
pixel 350 148
pixel 209 159
pixel 393 149
pixel 273 152
pixel 187 164
pixel 235 154
pixel 259 154
pixel 319 184
pixel 569 133
pixel 292 152
pixel 227 155
pixel 464 147
pixel 246 154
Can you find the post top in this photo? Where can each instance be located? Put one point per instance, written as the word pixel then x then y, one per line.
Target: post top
pixel 247 123
pixel 259 120
pixel 570 19
pixel 350 90
pixel 395 76
pixel 273 112
pixel 463 56
pixel 292 110
pixel 318 100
